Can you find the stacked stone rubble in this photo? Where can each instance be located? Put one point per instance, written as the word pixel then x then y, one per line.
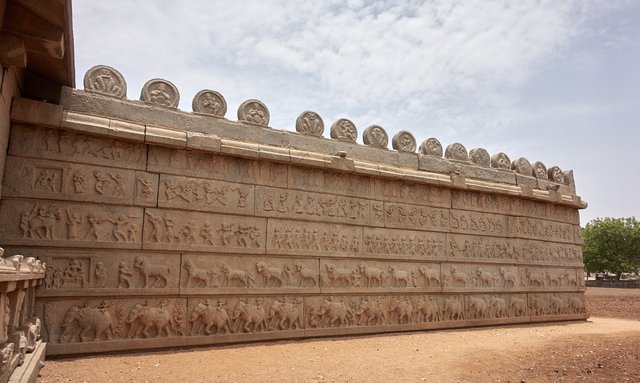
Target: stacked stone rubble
pixel 165 228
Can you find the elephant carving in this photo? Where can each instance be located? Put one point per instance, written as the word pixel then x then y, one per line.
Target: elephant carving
pixel 142 318
pixel 82 322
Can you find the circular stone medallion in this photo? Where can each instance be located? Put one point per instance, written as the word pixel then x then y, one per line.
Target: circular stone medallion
pixel 209 102
pixel 404 141
pixel 310 123
pixel 431 147
pixel 160 92
pixel 521 166
pixel 254 112
pixel 375 136
pixel 480 157
pixel 344 130
pixel 456 151
pixel 500 161
pixel 539 170
pixel 555 175
pixel 105 80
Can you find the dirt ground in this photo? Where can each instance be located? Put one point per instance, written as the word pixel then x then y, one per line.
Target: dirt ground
pixel 606 348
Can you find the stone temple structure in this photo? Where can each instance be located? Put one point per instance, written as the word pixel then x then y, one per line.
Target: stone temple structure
pixel 161 227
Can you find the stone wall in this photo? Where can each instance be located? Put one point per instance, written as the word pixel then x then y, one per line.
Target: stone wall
pixel 164 228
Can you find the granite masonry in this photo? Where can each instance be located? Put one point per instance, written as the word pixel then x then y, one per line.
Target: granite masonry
pixel 165 228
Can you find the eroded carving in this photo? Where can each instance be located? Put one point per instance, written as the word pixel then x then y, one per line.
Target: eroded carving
pixel 500 161
pixel 456 151
pixel 431 147
pixel 555 174
pixel 105 80
pixel 375 136
pixel 404 141
pixel 310 123
pixel 539 170
pixel 159 92
pixel 254 112
pixel 344 130
pixel 522 166
pixel 480 157
pixel 209 102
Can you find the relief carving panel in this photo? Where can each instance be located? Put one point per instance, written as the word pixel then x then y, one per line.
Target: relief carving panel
pixel 205 195
pixel 222 272
pixel 62 145
pixel 208 165
pixel 47 179
pixel 361 274
pixel 464 276
pixel 292 237
pixel 555 278
pixel 548 304
pixel 330 182
pixel 285 203
pixel 70 224
pixel 99 320
pixel 478 223
pixel 492 203
pixel 179 230
pixel 410 216
pixel 109 273
pixel 403 243
pixel 406 192
pixel 532 228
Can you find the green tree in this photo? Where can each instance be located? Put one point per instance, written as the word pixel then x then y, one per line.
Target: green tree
pixel 612 244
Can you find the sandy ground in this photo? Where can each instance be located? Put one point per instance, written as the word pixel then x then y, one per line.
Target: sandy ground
pixel 603 349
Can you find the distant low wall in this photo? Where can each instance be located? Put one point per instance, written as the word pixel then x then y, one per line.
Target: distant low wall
pixel 635 284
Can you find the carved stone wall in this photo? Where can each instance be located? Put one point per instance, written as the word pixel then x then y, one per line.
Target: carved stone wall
pixel 163 228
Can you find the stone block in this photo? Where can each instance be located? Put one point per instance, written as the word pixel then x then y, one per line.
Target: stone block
pixel 288 237
pixel 196 231
pixel 38 142
pixel 27 111
pixel 44 179
pixel 403 244
pixel 70 224
pixel 205 195
pixel 206 142
pixel 126 130
pixel 394 190
pixel 85 124
pixel 308 206
pixel 162 136
pixel 467 222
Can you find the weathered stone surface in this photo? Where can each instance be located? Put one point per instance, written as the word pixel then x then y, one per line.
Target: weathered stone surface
pixel 456 151
pixel 209 102
pixel 404 141
pixel 77 182
pixel 480 157
pixel 254 112
pixel 375 136
pixel 105 80
pixel 500 161
pixel 29 141
pixel 310 123
pixel 194 231
pixel 431 147
pixel 344 130
pixel 159 92
pixel 55 223
pixel 235 233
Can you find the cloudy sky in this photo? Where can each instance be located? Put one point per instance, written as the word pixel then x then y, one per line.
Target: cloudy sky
pixel 552 81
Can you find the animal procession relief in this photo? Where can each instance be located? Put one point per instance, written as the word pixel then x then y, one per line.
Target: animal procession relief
pixel 120 271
